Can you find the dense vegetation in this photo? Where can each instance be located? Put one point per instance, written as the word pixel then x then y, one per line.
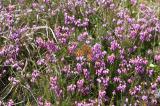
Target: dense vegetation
pixel 79 53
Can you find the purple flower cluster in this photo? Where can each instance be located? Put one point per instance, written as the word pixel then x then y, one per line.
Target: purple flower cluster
pixel 41 102
pixel 35 75
pixel 114 45
pixel 13 80
pixel 106 3
pixel 82 36
pixel 97 52
pixel 71 20
pixel 49 45
pixel 55 87
pixel 157 58
pixel 111 58
pixel 63 34
pixel 139 64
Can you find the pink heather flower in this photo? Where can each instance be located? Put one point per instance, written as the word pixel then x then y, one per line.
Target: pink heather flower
pixel 9 19
pixel 154 101
pixel 150 72
pixel 119 30
pixel 40 42
pixel 99 64
pixel 122 71
pixel 66 69
pixel 10 103
pixel 105 81
pixel 85 91
pixel 111 58
pixel 42 8
pixel 46 1
pixel 106 71
pixel 102 94
pixel 153 86
pixel 122 13
pixel 41 62
pixel 130 80
pixel 51 46
pixel 157 58
pixel 135 90
pixel 130 20
pixel 139 64
pixel 99 71
pixel 133 34
pixel 106 3
pixel 145 36
pixel 71 88
pixel 79 2
pixel 144 98
pixel 63 34
pixel 35 75
pixel 69 19
pixel 82 36
pixel 133 2
pixel 86 73
pixel 47 103
pixel 34 5
pixel 97 52
pixel 40 101
pixel 79 67
pixel 50 57
pixel 13 80
pixel 15 35
pixel 84 103
pixel 101 97
pixel 54 86
pixel 120 22
pixel 72 47
pixel 80 83
pixel 136 27
pixel 11 7
pixel 116 79
pixel 114 45
pixel 85 22
pixel 53 82
pixel 121 87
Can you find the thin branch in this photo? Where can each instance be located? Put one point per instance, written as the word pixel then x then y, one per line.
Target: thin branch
pixel 46 27
pixel 8 93
pixel 31 93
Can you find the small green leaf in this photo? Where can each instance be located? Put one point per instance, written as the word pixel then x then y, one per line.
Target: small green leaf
pixel 152 65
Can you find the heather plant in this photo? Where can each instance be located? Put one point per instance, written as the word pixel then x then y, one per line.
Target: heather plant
pixel 79 53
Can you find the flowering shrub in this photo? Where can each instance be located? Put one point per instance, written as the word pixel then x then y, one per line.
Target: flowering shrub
pixel 79 53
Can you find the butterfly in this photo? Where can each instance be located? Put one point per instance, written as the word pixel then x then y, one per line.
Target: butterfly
pixel 84 50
